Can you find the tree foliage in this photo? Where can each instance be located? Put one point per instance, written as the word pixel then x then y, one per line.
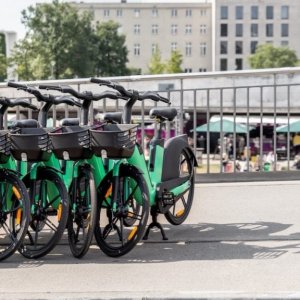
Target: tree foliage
pixel 268 56
pixel 3 60
pixel 156 66
pixel 173 65
pixel 111 52
pixel 61 43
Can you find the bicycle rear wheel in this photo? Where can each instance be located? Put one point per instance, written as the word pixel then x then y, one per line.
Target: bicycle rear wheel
pixel 82 213
pixel 178 212
pixel 14 213
pixel 119 227
pixel 49 213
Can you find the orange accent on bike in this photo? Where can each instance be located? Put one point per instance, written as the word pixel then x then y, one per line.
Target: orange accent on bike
pixel 109 191
pixel 132 233
pixel 18 216
pixel 16 192
pixel 180 213
pixel 59 212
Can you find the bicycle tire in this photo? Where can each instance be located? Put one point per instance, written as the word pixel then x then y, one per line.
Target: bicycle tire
pixel 178 213
pixel 82 213
pixel 50 208
pixel 112 236
pixel 18 215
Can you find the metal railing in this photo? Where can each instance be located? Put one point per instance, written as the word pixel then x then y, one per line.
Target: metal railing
pixel 202 97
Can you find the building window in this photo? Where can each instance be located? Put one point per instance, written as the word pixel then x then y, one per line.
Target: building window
pixel 254 12
pixel 203 12
pixel 106 12
pixel 202 70
pixel 239 64
pixel 254 30
pixel 269 12
pixel 137 29
pixel 188 49
pixel 173 46
pixel 188 13
pixel 155 29
pixel 253 46
pixel 119 12
pixel 154 48
pixel 284 29
pixel 223 47
pixel 137 49
pixel 239 12
pixel 224 12
pixel 154 12
pixel 284 12
pixel 174 12
pixel 223 64
pixel 269 30
pixel 203 49
pixel 203 29
pixel 137 12
pixel 238 29
pixel 188 70
pixel 224 29
pixel 284 43
pixel 238 47
pixel 188 29
pixel 174 29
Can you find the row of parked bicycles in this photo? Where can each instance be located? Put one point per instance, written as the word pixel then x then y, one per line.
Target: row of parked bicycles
pixel 91 180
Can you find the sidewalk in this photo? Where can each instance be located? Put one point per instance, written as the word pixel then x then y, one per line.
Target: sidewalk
pixel 242 240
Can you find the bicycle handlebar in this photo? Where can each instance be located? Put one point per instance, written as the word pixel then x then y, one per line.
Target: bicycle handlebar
pixel 131 93
pixel 17 102
pixel 84 95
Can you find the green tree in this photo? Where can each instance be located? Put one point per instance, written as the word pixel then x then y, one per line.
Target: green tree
pixel 111 52
pixel 58 43
pixel 268 56
pixel 156 66
pixel 3 60
pixel 173 65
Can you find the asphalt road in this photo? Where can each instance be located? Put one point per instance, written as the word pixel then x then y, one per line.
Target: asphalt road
pixel 241 241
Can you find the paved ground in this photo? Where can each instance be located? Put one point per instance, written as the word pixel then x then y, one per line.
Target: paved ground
pixel 241 241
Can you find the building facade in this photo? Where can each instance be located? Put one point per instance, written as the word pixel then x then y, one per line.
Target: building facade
pixel 240 25
pixel 165 26
pixel 212 35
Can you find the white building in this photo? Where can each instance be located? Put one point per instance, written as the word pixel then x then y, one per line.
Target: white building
pixel 212 35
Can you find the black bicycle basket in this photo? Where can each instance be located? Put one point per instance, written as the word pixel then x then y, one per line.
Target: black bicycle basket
pixel 30 144
pixel 71 142
pixel 117 140
pixel 4 146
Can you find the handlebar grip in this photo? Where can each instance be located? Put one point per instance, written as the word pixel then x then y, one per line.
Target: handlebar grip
pixel 16 85
pixel 165 100
pixel 49 87
pixel 100 81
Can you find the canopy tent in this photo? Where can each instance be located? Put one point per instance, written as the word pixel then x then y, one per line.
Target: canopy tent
pixel 225 126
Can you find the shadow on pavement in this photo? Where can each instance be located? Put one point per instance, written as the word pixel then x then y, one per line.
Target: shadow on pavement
pixel 260 240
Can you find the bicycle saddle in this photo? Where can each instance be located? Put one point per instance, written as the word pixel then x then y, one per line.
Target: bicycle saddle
pixel 114 117
pixel 163 113
pixel 30 123
pixel 70 122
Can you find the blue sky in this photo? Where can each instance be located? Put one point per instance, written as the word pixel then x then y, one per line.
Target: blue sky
pixel 10 11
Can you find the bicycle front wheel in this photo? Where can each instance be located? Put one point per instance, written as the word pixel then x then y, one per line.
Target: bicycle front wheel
pixel 49 213
pixel 120 226
pixel 82 213
pixel 14 213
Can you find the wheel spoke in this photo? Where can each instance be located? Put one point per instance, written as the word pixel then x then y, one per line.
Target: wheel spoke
pixel 131 195
pixel 36 233
pixel 10 233
pixel 52 201
pixel 49 223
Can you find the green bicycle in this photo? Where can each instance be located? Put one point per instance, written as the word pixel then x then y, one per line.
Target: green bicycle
pixel 169 173
pixel 111 146
pixel 14 199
